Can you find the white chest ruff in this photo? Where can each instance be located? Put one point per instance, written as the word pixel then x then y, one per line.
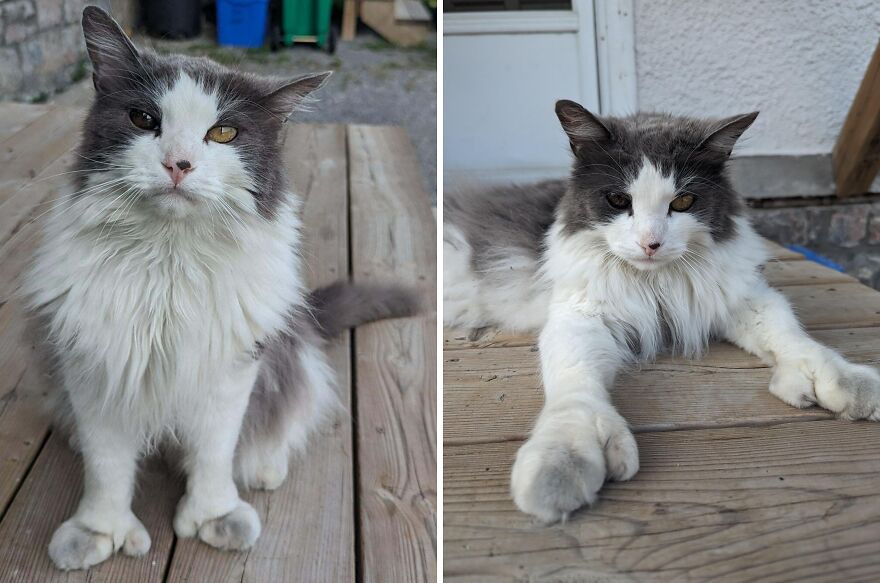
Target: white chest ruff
pixel 677 307
pixel 162 319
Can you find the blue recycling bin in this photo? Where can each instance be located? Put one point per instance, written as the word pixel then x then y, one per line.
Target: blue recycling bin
pixel 242 23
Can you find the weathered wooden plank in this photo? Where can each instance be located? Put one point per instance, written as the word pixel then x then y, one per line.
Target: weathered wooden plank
pixel 727 387
pixel 24 427
pixel 49 496
pixel 24 154
pixel 308 523
pixel 23 200
pixel 393 240
pixel 791 502
pixel 801 272
pixel 839 305
pixel 16 116
pixel 856 155
pixel 13 350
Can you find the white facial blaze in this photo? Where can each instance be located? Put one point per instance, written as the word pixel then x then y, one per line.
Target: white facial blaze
pixel 188 112
pixel 651 194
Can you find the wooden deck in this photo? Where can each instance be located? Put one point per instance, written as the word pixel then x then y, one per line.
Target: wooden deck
pixel 734 485
pixel 361 505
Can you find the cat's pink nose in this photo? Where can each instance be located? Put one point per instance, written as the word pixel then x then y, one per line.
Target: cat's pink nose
pixel 178 170
pixel 650 248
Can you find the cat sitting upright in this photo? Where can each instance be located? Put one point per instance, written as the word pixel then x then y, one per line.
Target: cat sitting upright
pixel 170 296
pixel 645 248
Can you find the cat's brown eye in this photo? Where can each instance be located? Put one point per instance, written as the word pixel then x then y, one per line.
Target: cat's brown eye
pixel 222 134
pixel 143 120
pixel 682 203
pixel 619 201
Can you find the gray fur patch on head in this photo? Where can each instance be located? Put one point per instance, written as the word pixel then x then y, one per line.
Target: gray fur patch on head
pixel 609 152
pixel 127 78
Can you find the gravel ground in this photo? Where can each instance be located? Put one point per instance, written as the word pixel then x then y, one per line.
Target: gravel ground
pixel 374 83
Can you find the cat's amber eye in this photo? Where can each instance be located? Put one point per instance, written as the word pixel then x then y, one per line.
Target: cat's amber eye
pixel 619 201
pixel 682 203
pixel 143 120
pixel 222 134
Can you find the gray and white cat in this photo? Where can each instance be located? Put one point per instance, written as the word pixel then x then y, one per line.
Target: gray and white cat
pixel 645 248
pixel 171 300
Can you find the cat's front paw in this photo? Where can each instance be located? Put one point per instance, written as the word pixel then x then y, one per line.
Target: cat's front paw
pixel 554 476
pixel 237 529
pixel 853 392
pixel 850 390
pixel 75 545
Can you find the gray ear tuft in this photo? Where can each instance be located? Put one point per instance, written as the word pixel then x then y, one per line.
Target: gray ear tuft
pixel 291 96
pixel 110 50
pixel 582 127
pixel 726 132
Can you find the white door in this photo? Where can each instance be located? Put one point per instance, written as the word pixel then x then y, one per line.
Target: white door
pixel 503 71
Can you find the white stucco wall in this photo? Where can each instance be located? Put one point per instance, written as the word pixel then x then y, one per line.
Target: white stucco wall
pixel 797 61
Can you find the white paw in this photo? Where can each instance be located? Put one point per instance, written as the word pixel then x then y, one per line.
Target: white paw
pixel 792 384
pixel 850 390
pixel 76 546
pixel 235 529
pixel 557 471
pixel 853 392
pixel 263 474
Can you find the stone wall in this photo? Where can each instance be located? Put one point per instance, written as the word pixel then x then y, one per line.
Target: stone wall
pixel 41 47
pixel 847 232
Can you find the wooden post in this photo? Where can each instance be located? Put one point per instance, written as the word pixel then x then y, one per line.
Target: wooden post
pixel 349 19
pixel 856 156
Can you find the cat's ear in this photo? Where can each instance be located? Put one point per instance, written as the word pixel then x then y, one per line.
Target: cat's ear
pixel 110 50
pixel 725 133
pixel 290 96
pixel 583 128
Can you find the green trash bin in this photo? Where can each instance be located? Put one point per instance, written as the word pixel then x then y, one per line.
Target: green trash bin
pixel 308 21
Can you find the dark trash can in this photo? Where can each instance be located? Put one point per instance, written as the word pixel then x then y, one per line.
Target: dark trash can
pixel 174 19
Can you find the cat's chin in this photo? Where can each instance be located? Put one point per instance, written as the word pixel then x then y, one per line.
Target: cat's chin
pixel 174 202
pixel 647 263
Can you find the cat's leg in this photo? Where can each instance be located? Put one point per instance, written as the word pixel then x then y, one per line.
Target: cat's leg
pixel 579 439
pixel 294 397
pixel 804 371
pixel 103 522
pixel 211 507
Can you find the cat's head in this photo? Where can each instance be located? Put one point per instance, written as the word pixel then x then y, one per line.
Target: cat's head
pixel 180 135
pixel 653 186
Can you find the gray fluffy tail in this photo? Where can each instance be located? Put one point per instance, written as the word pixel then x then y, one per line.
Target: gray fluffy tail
pixel 343 305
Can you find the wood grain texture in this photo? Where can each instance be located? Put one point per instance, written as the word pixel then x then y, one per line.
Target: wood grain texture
pixel 393 240
pixel 24 154
pixel 793 502
pixel 50 494
pixel 728 387
pixel 14 352
pixel 308 523
pixel 24 427
pixel 16 116
pixel 856 155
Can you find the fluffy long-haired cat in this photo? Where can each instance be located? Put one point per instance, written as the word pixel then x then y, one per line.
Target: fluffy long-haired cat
pixel 171 299
pixel 645 248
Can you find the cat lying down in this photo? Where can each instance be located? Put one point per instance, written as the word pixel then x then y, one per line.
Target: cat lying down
pixel 645 248
pixel 170 296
